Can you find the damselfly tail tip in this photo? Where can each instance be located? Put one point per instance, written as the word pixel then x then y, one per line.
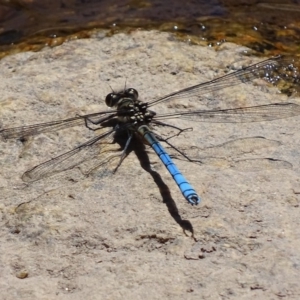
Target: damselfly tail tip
pixel 194 199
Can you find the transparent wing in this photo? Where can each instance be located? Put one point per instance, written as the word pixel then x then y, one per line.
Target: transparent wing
pixel 231 149
pixel 22 131
pixel 238 115
pixel 238 154
pixel 100 146
pixel 272 70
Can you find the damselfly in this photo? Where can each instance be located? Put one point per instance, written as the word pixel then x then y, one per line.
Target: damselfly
pixel 133 118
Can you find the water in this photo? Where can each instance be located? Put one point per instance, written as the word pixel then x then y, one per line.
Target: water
pixel 267 27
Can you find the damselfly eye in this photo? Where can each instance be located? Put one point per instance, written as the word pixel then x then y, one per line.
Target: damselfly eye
pixel 112 99
pixel 132 93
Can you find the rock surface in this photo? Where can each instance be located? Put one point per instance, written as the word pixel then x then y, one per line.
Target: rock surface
pixel 119 237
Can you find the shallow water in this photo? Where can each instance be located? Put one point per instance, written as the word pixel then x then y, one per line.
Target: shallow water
pixel 267 27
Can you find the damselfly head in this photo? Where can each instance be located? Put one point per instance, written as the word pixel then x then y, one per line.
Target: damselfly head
pixel 132 93
pixel 112 99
